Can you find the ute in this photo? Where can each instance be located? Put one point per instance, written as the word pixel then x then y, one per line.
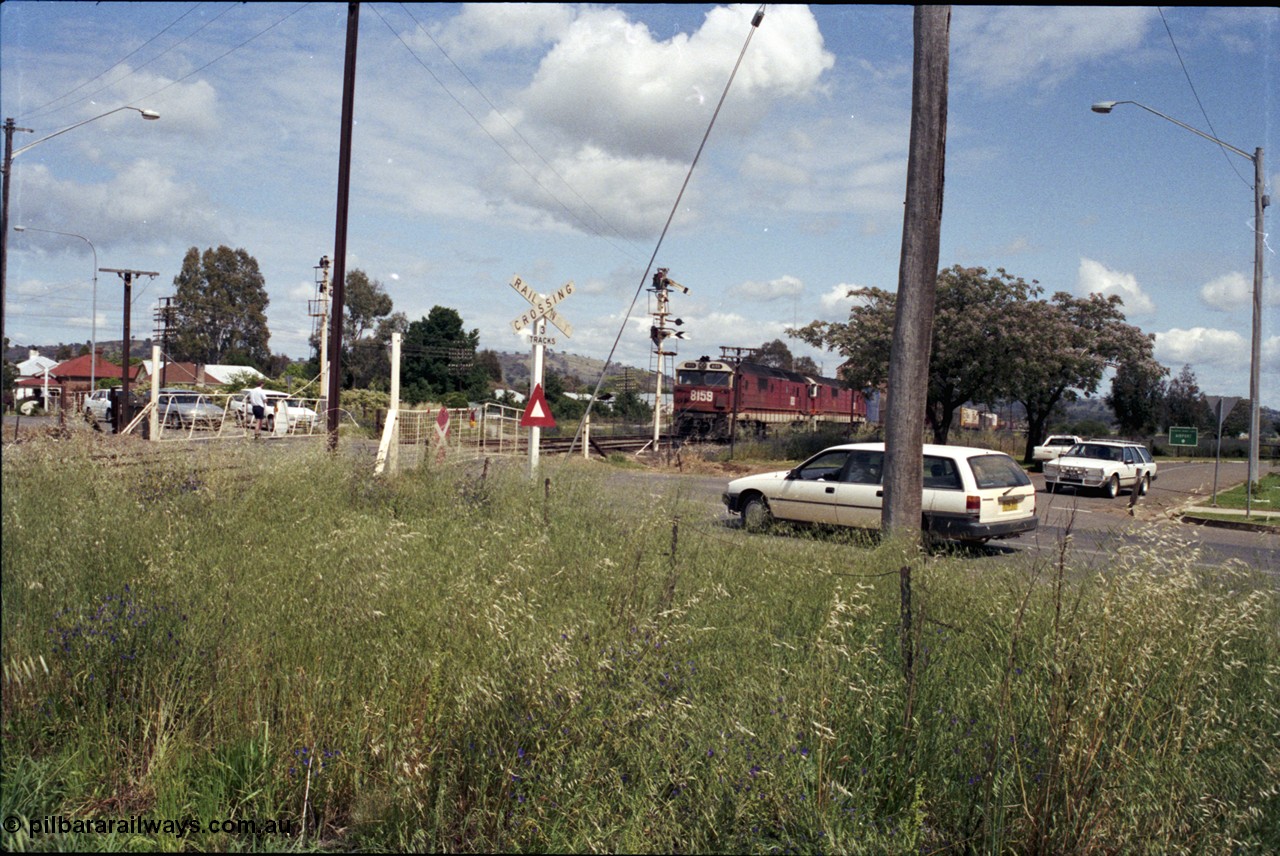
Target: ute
pixel 1053 447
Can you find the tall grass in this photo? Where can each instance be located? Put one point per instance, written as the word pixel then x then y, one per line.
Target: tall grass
pixel 462 659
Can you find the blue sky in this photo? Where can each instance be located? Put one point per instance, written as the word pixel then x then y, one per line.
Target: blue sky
pixel 551 141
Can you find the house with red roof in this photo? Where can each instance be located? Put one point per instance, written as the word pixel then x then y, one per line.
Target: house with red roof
pixel 73 377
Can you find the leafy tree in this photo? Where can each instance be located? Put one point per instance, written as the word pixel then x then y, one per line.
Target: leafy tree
pixel 774 354
pixel 1137 396
pixel 630 407
pixel 367 325
pixel 366 302
pixel 487 360
pixel 806 365
pixel 219 309
pixel 562 406
pixel 971 359
pixel 1063 346
pixel 1184 402
pixel 242 380
pixel 439 356
pixel 1236 421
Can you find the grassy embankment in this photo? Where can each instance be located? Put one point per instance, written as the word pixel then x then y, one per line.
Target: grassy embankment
pixel 446 661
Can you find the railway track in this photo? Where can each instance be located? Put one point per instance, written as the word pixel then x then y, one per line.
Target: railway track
pixel 602 446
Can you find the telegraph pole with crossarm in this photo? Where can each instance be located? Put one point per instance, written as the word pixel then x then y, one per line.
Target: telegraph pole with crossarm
pixel 122 412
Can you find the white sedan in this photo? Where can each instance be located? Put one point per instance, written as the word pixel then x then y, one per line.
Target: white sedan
pixel 971 495
pixel 301 419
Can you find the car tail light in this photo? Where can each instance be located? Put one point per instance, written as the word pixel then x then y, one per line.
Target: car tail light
pixel 973 505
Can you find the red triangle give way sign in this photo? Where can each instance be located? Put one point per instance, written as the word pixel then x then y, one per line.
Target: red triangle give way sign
pixel 538 413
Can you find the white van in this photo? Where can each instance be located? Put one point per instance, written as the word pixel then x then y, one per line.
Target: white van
pixel 970 495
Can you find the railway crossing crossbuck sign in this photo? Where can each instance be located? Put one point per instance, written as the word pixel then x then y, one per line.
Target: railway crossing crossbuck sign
pixel 542 308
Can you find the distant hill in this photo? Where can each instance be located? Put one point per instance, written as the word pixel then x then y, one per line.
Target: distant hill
pixel 579 373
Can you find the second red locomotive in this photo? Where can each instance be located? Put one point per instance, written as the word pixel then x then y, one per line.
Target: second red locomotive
pixel 711 395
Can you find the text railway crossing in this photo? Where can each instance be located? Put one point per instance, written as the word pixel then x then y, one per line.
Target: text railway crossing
pixel 542 310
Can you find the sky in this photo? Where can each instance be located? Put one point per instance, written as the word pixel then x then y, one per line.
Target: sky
pixel 553 141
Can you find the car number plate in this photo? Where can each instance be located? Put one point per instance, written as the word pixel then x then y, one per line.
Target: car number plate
pixel 1009 504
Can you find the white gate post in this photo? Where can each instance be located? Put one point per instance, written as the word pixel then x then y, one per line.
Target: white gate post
pixel 154 424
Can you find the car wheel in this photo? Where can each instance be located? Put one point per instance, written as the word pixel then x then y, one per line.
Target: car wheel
pixel 756 516
pixel 1144 485
pixel 1112 489
pixel 1051 487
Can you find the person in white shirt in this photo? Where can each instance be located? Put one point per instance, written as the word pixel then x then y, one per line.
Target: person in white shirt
pixel 258 401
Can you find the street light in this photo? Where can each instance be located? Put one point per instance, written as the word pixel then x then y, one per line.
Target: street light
pixel 1260 203
pixel 93 354
pixel 6 171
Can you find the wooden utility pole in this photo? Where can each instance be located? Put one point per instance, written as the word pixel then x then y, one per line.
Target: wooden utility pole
pixel 917 276
pixel 340 227
pixel 123 414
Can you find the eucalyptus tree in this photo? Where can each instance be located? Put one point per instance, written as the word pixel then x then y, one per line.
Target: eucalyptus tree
pixel 970 355
pixel 220 309
pixel 1137 396
pixel 1061 348
pixel 1185 404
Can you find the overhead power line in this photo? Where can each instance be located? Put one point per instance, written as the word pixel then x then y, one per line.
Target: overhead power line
pixel 756 19
pixel 551 194
pixel 41 109
pixel 1196 95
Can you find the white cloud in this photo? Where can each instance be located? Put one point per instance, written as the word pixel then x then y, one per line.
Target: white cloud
pixel 1227 292
pixel 838 297
pixel 1234 291
pixel 145 201
pixel 1202 345
pixel 774 289
pixel 1004 46
pixel 1096 278
pixel 648 103
pixel 484 28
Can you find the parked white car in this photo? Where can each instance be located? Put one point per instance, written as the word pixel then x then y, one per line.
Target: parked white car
pixel 97 406
pixel 970 495
pixel 301 418
pixel 1054 447
pixel 1105 465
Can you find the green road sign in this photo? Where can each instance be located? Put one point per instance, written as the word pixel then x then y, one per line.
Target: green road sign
pixel 1184 437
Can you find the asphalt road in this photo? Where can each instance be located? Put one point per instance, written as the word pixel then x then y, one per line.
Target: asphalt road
pixel 1098 526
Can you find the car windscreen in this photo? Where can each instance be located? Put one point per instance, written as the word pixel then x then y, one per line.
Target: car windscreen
pixel 994 471
pixel 1096 451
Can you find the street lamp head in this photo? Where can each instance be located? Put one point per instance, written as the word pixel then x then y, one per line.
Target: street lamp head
pixel 149 114
pixel 19 228
pixel 1103 106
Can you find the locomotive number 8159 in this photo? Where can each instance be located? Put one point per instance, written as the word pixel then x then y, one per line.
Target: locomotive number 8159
pixel 711 395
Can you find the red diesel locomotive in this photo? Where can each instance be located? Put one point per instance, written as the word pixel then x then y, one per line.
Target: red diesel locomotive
pixel 708 401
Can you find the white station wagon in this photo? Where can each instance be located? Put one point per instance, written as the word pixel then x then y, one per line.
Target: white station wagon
pixel 1105 465
pixel 970 495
